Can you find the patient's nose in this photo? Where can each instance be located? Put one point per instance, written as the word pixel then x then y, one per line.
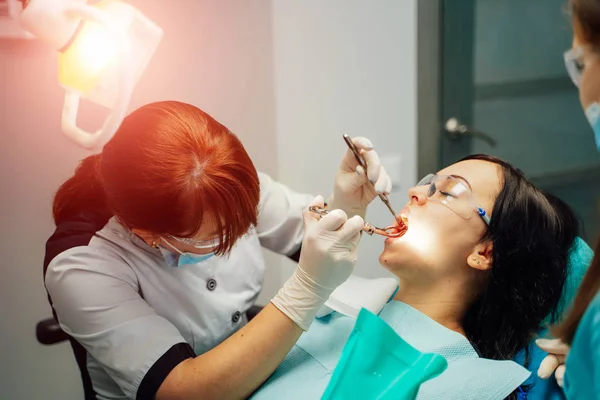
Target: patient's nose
pixel 417 195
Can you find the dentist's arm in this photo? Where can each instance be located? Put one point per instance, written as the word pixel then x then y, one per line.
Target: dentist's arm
pixel 238 366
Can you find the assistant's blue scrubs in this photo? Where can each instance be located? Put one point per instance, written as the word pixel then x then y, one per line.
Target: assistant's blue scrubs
pixel 582 375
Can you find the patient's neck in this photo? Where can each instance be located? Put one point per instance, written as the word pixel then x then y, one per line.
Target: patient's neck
pixel 444 301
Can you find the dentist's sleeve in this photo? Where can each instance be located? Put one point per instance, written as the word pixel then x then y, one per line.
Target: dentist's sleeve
pixel 280 225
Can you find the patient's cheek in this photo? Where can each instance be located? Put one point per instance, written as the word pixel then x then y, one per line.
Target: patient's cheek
pixel 421 238
pixel 419 246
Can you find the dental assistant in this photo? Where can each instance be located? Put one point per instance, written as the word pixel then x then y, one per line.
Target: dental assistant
pixel 155 300
pixel 575 356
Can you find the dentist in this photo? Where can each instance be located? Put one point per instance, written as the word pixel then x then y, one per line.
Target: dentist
pixel 155 299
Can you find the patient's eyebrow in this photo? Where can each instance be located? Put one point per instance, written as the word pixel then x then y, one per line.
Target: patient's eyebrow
pixel 462 178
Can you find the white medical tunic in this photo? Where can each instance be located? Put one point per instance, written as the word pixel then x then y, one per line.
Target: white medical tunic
pixel 137 317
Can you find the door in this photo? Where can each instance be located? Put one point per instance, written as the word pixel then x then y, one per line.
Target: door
pixel 504 91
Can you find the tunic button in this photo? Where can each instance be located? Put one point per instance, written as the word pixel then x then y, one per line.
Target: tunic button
pixel 211 284
pixel 236 317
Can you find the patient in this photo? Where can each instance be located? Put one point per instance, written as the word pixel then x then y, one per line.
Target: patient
pixel 482 265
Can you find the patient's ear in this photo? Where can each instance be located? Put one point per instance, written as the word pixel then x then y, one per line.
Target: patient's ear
pixel 481 257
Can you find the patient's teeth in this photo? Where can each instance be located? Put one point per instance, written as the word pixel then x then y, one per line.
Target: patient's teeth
pixel 404 219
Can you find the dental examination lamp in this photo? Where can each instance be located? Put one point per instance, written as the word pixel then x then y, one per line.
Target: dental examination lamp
pixel 103 50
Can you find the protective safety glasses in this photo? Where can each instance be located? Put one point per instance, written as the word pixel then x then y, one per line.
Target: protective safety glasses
pixel 574 64
pixel 454 194
pixel 199 244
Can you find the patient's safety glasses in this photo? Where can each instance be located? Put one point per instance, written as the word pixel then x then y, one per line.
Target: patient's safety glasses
pixel 453 193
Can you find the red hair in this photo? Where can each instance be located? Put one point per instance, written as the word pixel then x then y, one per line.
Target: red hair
pixel 168 167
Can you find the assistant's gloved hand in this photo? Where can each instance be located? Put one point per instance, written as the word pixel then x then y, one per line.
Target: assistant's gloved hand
pixel 327 259
pixel 554 361
pixel 352 191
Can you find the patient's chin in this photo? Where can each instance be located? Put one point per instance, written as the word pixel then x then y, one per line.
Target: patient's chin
pixel 403 259
pixel 383 260
pixel 391 260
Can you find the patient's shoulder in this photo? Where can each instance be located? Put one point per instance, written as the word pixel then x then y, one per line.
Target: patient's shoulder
pixel 326 338
pixel 475 378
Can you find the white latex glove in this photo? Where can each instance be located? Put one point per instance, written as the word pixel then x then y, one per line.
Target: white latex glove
pixel 554 361
pixel 352 191
pixel 327 259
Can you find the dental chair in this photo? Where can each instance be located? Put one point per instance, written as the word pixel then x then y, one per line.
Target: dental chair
pixel 540 389
pixel 48 332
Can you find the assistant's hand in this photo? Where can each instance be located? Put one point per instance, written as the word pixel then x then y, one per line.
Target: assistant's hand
pixel 352 191
pixel 554 361
pixel 327 259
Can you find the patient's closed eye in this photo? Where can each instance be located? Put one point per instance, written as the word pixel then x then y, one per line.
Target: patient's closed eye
pixel 447 194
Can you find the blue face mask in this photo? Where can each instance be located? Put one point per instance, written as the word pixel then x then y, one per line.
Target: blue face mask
pixel 593 116
pixel 178 260
pixel 190 258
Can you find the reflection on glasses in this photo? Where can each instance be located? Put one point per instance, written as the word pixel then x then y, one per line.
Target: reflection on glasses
pixel 199 244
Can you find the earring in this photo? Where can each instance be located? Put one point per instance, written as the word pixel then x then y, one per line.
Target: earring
pixel 154 245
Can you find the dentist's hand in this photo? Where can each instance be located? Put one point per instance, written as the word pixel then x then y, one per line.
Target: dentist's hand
pixel 554 361
pixel 327 259
pixel 352 191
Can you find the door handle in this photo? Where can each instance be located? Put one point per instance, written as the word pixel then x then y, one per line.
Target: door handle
pixel 456 130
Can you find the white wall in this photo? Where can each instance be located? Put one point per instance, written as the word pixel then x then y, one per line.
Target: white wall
pixel 345 66
pixel 288 77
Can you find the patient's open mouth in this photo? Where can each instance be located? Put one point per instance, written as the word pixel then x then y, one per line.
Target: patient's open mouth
pixel 399 229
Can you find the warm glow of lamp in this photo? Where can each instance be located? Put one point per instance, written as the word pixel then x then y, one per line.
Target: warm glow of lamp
pixel 103 50
pixel 83 62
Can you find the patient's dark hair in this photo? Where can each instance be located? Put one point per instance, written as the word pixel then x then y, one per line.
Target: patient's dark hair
pixel 532 233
